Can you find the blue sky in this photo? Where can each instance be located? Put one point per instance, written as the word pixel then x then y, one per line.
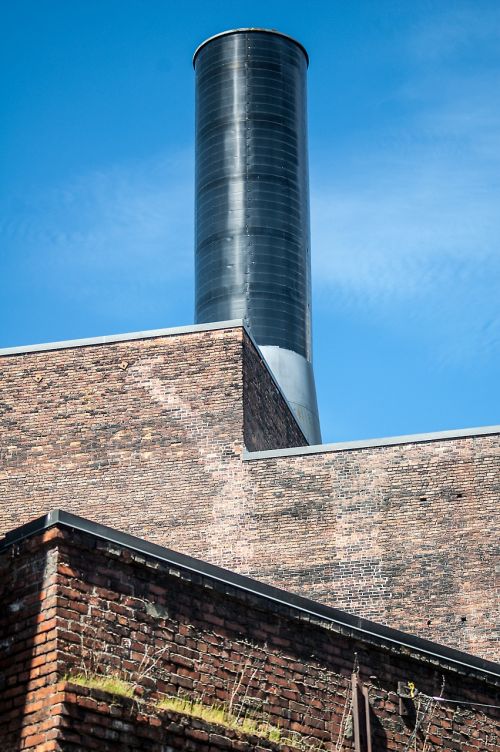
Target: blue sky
pixel 96 190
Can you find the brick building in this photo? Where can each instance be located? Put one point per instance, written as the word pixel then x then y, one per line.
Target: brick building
pixel 183 439
pixel 159 629
pixel 180 569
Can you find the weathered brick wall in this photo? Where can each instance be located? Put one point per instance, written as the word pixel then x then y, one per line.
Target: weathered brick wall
pixel 28 656
pixel 146 436
pixel 120 429
pixel 143 434
pixel 267 425
pixel 406 535
pixel 94 720
pixel 168 631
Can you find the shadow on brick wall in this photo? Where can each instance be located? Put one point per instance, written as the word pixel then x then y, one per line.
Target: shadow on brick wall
pixel 27 643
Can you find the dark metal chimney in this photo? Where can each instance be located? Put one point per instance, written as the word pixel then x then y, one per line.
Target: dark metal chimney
pixel 252 201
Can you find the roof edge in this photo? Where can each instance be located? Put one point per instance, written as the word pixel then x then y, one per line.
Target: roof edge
pixel 345 446
pixel 109 339
pixel 360 627
pixel 150 334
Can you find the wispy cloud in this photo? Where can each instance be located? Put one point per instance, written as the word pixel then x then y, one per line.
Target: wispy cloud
pixel 110 237
pixel 456 31
pixel 383 237
pixel 414 226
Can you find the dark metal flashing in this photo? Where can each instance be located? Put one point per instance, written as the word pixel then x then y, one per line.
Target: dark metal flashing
pixel 349 624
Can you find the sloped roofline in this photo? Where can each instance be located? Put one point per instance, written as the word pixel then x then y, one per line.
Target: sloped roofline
pixel 332 618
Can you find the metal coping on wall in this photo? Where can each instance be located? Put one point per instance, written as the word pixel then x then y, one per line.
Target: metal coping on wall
pixel 269 453
pixel 250 30
pixel 345 446
pixel 347 623
pixel 111 338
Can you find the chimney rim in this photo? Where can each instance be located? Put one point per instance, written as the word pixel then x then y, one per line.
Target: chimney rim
pixel 246 30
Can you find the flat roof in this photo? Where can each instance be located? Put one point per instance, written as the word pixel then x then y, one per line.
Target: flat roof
pixel 340 621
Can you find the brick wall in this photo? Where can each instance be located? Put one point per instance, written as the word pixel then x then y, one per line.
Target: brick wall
pixel 120 725
pixel 97 721
pixel 267 423
pixel 28 656
pixel 122 426
pixel 406 535
pixel 168 631
pixel 147 435
pixel 128 430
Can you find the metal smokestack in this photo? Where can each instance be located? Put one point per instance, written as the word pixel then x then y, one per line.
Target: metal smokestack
pixel 252 201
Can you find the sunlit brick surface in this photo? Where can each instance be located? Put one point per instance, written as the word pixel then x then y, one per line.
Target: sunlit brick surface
pixel 146 436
